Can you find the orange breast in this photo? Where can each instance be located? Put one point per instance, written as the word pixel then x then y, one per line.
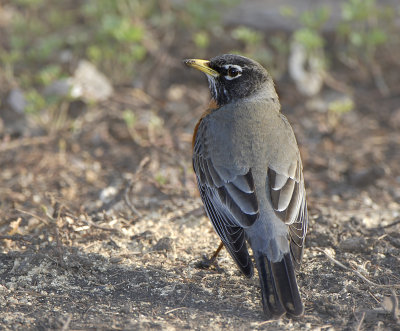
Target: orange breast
pixel 213 105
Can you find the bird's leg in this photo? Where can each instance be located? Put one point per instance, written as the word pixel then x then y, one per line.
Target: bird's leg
pixel 207 263
pixel 215 255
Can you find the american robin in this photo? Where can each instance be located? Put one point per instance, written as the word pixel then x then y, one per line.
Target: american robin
pixel 250 177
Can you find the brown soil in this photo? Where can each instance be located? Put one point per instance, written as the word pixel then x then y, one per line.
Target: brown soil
pixel 102 228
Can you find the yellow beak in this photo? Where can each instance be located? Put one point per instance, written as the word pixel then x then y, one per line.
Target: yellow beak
pixel 202 65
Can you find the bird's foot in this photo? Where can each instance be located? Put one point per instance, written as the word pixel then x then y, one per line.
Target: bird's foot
pixel 206 263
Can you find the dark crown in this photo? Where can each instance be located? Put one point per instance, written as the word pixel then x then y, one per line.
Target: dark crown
pixel 239 77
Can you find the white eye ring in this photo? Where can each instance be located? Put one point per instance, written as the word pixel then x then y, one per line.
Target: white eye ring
pixel 237 69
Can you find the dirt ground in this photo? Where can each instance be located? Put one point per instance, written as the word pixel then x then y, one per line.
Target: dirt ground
pixel 102 227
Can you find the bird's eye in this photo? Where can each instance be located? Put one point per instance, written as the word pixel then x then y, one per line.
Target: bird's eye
pixel 233 72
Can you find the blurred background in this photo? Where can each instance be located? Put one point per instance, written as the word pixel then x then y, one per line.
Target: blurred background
pixel 97 113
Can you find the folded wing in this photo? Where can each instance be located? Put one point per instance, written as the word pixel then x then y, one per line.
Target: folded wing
pixel 288 198
pixel 230 202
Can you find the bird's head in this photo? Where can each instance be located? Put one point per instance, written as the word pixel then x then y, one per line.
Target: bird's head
pixel 233 77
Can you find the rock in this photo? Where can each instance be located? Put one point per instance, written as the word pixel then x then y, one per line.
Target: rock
pixel 148 236
pixel 66 56
pixel 306 69
pixel 108 194
pixel 12 115
pixel 164 244
pixel 390 304
pixel 89 83
pixel 366 177
pixel 374 315
pixel 61 88
pixel 353 245
pixel 16 100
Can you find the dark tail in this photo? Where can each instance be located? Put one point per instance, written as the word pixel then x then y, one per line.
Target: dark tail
pixel 280 293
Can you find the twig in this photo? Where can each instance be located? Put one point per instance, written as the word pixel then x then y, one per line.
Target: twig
pixel 197 211
pixel 60 249
pixel 184 297
pixel 87 310
pixel 356 272
pixel 373 296
pixel 16 237
pixel 33 215
pixel 94 225
pixel 265 322
pixel 391 224
pixel 382 236
pixel 25 142
pixel 66 323
pixel 128 189
pixel 360 322
pixel 128 200
pixel 396 310
pixel 337 85
pixel 175 309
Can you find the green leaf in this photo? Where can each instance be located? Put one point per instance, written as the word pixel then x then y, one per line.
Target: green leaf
pixel 310 39
pixel 356 39
pixel 377 37
pixel 201 39
pixel 49 74
pixel 129 118
pixel 35 102
pixel 287 11
pixel 247 35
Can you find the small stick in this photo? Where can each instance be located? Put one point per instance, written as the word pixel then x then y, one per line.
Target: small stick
pixel 170 311
pixel 89 222
pixel 24 142
pixel 391 224
pixel 396 310
pixel 33 215
pixel 356 272
pixel 128 189
pixel 360 322
pixel 128 200
pixel 66 323
pixel 16 237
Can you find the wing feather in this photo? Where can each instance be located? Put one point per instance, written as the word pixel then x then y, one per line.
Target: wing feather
pixel 229 199
pixel 288 199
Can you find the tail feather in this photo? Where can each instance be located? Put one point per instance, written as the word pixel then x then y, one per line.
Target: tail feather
pixel 297 254
pixel 272 307
pixel 279 288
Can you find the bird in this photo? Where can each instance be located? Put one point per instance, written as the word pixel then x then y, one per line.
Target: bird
pixel 250 178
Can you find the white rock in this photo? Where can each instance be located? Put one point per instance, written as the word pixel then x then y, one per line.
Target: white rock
pixel 61 87
pixel 306 70
pixel 89 83
pixel 16 100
